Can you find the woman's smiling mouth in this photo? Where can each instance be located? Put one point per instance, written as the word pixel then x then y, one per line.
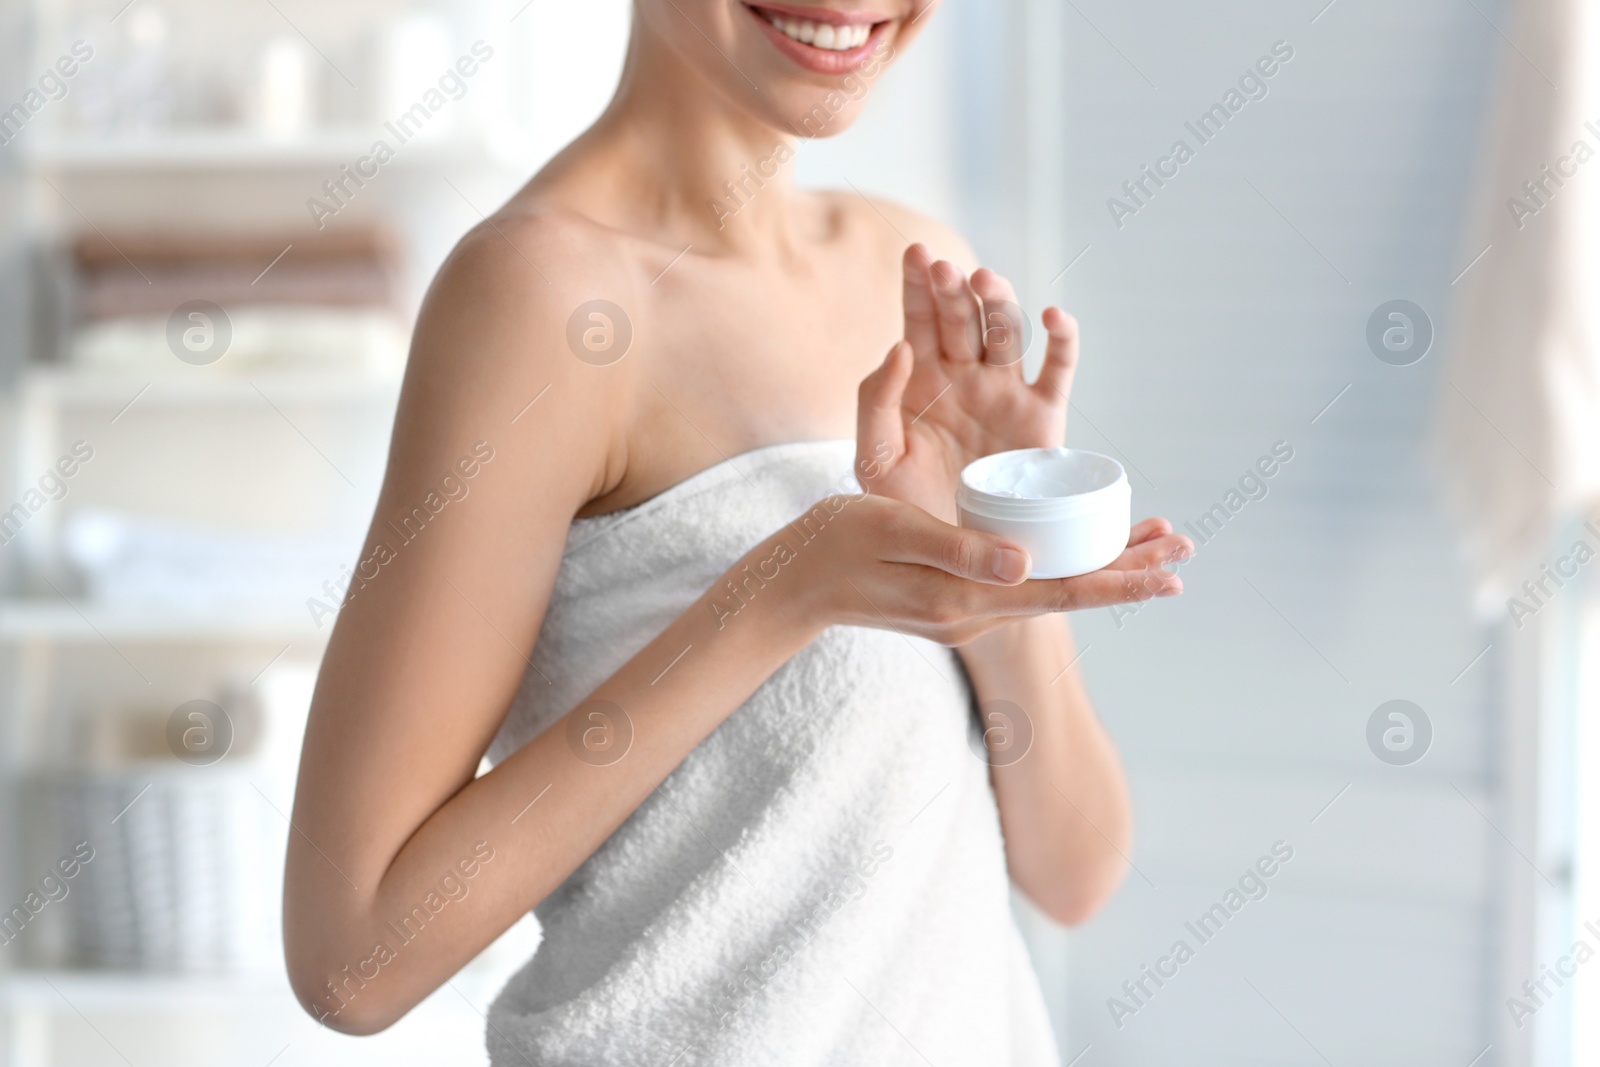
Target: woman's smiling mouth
pixel 820 39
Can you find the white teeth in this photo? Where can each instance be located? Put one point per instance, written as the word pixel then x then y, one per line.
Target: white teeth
pixel 824 35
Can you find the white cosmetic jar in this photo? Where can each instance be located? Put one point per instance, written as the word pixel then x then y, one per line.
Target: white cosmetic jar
pixel 1070 509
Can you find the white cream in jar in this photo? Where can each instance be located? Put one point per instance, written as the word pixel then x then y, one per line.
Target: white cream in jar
pixel 1071 510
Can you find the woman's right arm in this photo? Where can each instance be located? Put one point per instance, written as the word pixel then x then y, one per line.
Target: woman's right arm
pixel 428 654
pixel 429 650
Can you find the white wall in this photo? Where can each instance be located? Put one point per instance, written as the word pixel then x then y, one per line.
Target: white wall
pixel 1218 321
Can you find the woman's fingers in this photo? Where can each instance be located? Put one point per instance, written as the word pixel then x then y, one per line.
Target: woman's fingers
pixel 1098 589
pixel 914 536
pixel 880 426
pixel 1060 356
pixel 1103 588
pixel 951 584
pixel 1160 551
pixel 1004 325
pixel 921 310
pixel 1106 587
pixel 960 333
pixel 1146 529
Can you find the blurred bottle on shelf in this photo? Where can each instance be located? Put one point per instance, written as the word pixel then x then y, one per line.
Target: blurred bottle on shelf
pixel 284 104
pixel 413 51
pixel 128 85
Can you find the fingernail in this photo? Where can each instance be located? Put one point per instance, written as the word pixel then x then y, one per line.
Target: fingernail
pixel 1009 564
pixel 1173 588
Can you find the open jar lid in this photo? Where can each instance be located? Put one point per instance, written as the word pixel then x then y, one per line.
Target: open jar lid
pixel 1042 483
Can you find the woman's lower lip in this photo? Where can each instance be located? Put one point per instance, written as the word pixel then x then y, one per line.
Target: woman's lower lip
pixel 821 60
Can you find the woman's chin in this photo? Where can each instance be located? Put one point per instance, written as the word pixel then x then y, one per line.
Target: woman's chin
pixel 813 121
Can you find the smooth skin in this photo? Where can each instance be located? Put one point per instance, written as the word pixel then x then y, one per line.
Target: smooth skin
pixel 762 326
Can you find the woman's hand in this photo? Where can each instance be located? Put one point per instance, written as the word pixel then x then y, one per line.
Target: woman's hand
pixel 953 390
pixel 872 561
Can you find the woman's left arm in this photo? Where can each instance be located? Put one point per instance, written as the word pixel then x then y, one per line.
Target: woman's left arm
pixel 1057 778
pixel 952 391
pixel 1058 781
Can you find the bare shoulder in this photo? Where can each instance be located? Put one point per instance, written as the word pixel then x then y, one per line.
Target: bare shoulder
pixel 511 284
pixel 526 309
pixel 902 226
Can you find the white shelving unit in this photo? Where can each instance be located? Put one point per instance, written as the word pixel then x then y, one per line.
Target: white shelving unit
pixel 291 452
pixel 232 150
pixel 64 622
pixel 275 453
pixel 48 388
pixel 61 653
pixel 44 990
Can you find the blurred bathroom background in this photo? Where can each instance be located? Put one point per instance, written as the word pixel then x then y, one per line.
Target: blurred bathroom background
pixel 206 287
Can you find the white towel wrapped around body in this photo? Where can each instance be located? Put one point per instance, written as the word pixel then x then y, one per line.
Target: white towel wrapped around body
pixel 821 881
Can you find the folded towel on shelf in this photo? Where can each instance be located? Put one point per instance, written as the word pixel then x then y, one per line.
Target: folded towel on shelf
pixel 186 880
pixel 143 274
pixel 353 340
pixel 135 561
pixel 292 302
pixel 126 292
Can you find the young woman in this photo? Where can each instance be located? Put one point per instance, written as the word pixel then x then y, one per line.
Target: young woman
pixel 732 701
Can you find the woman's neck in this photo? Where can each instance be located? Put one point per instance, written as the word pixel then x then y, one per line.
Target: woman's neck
pixel 673 158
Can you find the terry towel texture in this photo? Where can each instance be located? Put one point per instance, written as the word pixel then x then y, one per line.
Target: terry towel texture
pixel 822 880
